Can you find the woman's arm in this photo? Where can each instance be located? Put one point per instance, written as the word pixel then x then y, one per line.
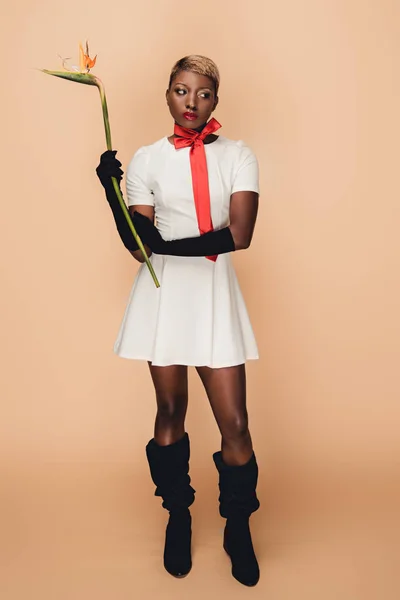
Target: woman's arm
pixel 147 211
pixel 242 216
pixel 237 236
pixel 110 167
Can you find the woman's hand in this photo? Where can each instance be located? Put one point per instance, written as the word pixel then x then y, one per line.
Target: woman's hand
pixel 109 167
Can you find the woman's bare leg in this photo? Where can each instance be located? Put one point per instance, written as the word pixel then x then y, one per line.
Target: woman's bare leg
pixel 226 391
pixel 171 387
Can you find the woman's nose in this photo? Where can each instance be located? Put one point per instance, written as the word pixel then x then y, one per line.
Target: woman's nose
pixel 191 102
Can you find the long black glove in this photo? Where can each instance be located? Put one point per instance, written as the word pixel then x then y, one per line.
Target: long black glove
pixel 111 167
pixel 209 244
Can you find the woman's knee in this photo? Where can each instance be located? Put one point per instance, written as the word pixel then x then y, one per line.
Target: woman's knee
pixel 171 408
pixel 236 429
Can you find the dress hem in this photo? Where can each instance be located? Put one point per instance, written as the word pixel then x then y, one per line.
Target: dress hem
pixel 186 363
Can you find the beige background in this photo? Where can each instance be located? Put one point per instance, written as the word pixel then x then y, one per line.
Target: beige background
pixel 313 87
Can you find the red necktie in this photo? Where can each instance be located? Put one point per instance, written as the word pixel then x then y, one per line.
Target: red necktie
pixel 198 164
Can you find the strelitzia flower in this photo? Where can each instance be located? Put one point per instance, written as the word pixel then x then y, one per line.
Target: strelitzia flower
pixel 82 74
pixel 85 62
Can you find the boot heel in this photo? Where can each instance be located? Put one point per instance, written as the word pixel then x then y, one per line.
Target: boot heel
pixel 225 544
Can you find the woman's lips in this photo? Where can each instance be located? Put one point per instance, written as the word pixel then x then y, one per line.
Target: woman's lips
pixel 190 116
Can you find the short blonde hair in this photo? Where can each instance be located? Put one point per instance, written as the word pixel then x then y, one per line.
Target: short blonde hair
pixel 197 64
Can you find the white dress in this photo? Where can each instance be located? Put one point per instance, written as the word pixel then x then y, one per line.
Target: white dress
pixel 197 317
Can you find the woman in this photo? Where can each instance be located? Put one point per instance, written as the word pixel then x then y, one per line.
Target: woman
pixel 193 182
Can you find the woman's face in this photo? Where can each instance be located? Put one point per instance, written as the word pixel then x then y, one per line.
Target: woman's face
pixel 191 99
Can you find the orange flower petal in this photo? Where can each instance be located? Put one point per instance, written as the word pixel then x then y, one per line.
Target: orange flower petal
pixel 85 62
pixel 91 62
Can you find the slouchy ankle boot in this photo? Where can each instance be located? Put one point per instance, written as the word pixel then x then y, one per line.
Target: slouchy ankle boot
pixel 238 500
pixel 169 468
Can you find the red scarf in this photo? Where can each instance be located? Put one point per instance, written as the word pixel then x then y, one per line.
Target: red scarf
pixel 198 163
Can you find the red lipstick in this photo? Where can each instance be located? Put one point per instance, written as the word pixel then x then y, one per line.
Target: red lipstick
pixel 190 116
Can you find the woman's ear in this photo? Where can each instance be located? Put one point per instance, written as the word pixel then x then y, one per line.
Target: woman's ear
pixel 215 103
pixel 166 96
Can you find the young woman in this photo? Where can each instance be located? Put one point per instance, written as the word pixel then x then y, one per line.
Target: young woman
pixel 202 191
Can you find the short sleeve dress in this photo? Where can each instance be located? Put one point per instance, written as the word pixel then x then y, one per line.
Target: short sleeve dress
pixel 197 317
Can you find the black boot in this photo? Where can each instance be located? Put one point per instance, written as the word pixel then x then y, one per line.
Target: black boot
pixel 238 499
pixel 169 468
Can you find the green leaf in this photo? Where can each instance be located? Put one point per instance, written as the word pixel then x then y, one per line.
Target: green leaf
pixel 85 78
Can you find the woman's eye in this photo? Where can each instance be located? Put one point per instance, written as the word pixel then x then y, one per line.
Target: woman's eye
pixel 180 92
pixel 205 95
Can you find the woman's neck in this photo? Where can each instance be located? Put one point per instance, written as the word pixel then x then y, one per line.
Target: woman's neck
pixel 198 129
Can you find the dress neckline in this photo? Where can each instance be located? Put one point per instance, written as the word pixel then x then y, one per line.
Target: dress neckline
pixel 166 138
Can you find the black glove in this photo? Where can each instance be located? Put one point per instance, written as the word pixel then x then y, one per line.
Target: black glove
pixel 111 167
pixel 209 244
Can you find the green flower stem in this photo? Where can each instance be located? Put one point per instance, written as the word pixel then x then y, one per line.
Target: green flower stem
pixel 105 114
pixel 116 186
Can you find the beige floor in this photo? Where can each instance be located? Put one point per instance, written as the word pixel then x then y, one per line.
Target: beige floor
pixel 83 531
